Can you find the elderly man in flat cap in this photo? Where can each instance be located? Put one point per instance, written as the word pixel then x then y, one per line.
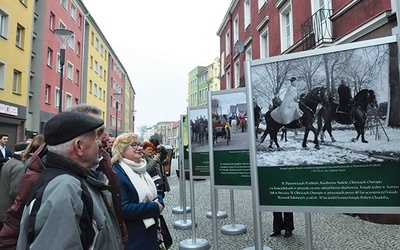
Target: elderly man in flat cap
pixel 70 206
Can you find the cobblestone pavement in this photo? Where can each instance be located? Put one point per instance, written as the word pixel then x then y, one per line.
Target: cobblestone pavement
pixel 330 231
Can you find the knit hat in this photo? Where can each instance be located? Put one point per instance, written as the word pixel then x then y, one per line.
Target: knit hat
pixel 67 125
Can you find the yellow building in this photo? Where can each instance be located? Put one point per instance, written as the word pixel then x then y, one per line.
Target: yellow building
pixel 96 65
pixel 16 18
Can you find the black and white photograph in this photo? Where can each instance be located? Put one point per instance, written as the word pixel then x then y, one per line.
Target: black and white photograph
pixel 229 121
pixel 335 107
pixel 198 132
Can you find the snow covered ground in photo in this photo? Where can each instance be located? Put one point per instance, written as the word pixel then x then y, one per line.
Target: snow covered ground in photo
pixel 378 149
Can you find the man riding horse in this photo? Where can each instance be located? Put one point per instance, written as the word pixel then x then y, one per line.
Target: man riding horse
pixel 344 110
pixel 289 110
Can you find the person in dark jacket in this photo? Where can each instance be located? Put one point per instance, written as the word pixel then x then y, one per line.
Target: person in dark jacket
pixel 141 204
pixel 70 206
pixel 11 174
pixel 5 152
pixel 153 166
pixel 163 161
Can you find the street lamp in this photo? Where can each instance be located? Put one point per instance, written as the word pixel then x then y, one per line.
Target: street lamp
pixel 63 36
pixel 133 120
pixel 116 112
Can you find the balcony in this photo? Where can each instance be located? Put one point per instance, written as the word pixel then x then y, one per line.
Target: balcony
pixel 317 29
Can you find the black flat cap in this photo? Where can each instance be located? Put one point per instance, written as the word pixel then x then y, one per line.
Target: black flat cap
pixel 67 125
pixel 20 147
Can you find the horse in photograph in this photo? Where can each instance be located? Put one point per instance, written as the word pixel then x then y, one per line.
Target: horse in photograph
pixel 242 122
pixel 308 105
pixel 202 131
pixel 357 114
pixel 199 131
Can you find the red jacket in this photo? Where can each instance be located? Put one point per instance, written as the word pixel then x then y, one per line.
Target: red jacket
pixel 10 231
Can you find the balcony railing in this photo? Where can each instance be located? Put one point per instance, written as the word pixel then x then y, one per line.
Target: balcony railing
pixel 317 29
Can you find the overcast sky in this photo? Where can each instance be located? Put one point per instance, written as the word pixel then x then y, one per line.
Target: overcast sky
pixel 159 43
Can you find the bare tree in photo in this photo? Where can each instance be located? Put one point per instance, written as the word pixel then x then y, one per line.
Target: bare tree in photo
pixel 269 79
pixel 332 64
pixel 306 69
pixel 365 66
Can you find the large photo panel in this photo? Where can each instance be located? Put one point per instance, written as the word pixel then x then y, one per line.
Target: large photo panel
pixel 198 140
pixel 230 145
pixel 329 137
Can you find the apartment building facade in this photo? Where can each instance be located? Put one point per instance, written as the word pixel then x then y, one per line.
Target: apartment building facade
pixel 15 52
pixel 201 80
pixel 255 29
pixel 30 72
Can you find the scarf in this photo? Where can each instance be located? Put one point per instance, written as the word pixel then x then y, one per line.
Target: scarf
pixel 142 181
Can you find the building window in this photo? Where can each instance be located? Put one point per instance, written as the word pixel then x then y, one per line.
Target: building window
pixel 101 71
pixel 228 43
pixel 70 71
pixel 57 103
pixel 95 89
pixel 80 20
pixel 62 25
pixel 71 42
pixel 49 57
pixel 68 100
pixel 96 67
pixel 58 63
pixel 236 29
pixel 222 64
pixel 2 75
pixel 73 11
pixel 97 44
pixel 3 23
pixel 90 86
pixel 264 45
pixel 249 54
pixel 77 77
pixel 237 74
pixel 101 50
pixel 64 4
pixel 47 94
pixel 100 93
pixel 51 21
pixel 247 13
pixel 19 41
pixel 92 38
pixel 228 79
pixel 261 4
pixel 78 48
pixel 17 82
pixel 286 27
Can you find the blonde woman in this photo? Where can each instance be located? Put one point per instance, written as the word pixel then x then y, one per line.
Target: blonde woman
pixel 141 205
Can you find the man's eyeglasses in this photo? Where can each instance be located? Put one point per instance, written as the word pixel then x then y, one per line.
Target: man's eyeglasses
pixel 135 145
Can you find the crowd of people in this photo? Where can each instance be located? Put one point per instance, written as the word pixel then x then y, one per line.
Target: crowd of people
pixel 76 187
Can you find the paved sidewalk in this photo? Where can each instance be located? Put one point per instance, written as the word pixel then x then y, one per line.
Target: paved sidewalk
pixel 330 231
